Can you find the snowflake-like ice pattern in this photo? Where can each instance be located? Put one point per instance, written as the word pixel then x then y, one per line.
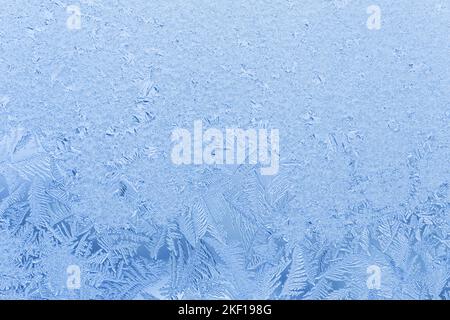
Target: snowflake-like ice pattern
pixel 91 206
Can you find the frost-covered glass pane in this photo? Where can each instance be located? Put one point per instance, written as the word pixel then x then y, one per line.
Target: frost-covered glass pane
pixel 243 149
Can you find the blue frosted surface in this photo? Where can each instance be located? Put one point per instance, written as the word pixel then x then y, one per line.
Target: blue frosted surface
pixel 86 177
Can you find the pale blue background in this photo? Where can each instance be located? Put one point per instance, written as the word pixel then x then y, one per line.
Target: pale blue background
pixel 85 171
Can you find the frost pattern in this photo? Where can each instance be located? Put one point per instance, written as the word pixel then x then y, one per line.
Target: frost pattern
pixel 85 171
